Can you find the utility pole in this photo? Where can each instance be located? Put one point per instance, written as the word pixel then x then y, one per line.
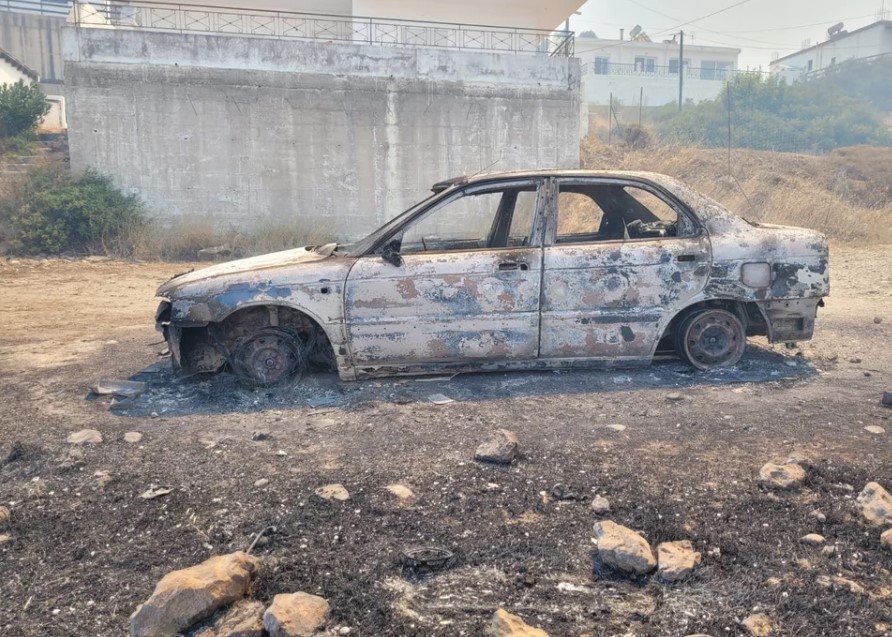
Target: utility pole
pixel 680 69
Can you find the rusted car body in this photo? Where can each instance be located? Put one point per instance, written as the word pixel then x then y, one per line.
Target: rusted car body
pixel 537 269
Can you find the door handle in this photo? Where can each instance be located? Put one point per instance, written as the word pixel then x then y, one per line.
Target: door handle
pixel 686 258
pixel 513 265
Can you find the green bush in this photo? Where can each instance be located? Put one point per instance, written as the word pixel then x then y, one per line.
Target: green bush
pixel 21 107
pixel 53 212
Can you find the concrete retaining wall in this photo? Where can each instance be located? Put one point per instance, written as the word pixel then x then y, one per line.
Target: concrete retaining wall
pixel 35 41
pixel 248 130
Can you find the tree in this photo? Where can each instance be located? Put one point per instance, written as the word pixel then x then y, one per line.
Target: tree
pixel 22 106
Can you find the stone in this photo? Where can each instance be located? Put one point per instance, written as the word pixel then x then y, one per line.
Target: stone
pixel 85 436
pixel 504 624
pixel 886 539
pixel 877 320
pixel 677 560
pixel 295 615
pixel 828 551
pixel 623 549
pixel 186 596
pixel 759 625
pixel 674 397
pixel 132 437
pixel 401 491
pixel 812 539
pixel 876 504
pixel 817 515
pixel 616 428
pixel 781 476
pixel 260 435
pixel 5 538
pixel 262 482
pixel 874 429
pixel 242 619
pixel 501 448
pixel 5 515
pixel 102 478
pixel 600 505
pixel 837 582
pixel 333 492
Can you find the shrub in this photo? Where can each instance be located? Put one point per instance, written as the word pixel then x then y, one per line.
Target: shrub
pixel 53 212
pixel 635 136
pixel 21 107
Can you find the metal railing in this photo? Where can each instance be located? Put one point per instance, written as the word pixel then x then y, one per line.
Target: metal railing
pixel 185 18
pixel 56 8
pixel 638 70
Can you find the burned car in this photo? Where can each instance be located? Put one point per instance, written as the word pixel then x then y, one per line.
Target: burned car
pixel 520 270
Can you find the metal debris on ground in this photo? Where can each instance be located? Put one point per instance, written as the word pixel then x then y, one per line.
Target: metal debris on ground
pixel 120 388
pixel 154 492
pixel 427 560
pixel 565 493
pixel 440 399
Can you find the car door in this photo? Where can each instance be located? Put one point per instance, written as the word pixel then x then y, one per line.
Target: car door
pixel 621 259
pixel 460 283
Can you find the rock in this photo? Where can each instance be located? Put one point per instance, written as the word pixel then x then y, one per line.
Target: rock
pixel 242 619
pixel 504 624
pixel 874 429
pixel 259 435
pixel 623 549
pixel 877 320
pixel 674 397
pixel 85 436
pixel 759 625
pixel 333 492
pixel 5 515
pixel 828 551
pixel 781 476
pixel 600 505
pixel 402 492
pixel 812 539
pixel 501 448
pixel 886 539
pixel 677 560
pixel 5 538
pixel 102 478
pixel 295 615
pixel 876 504
pixel 798 457
pixel 617 427
pixel 261 483
pixel 186 596
pixel 855 361
pixel 817 515
pixel 840 583
pixel 132 437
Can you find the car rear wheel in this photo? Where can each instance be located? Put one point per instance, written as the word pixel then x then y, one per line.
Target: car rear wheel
pixel 711 339
pixel 270 356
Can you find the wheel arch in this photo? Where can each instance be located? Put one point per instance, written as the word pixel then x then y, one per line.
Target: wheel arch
pixel 750 313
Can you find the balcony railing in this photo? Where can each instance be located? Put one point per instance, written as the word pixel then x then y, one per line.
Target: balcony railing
pixel 638 70
pixel 185 18
pixel 57 8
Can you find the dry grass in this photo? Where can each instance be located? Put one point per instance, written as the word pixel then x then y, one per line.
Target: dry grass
pixel 184 237
pixel 846 194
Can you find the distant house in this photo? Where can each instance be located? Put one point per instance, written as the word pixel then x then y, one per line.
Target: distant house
pixel 625 67
pixel 865 43
pixel 11 70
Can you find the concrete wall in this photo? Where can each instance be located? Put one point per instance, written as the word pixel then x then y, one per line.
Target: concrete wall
pixel 35 41
pixel 346 135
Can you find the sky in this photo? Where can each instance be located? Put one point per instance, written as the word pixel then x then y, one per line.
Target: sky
pixel 760 28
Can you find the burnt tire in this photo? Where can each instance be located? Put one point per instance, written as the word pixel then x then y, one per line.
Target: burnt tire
pixel 270 356
pixel 711 339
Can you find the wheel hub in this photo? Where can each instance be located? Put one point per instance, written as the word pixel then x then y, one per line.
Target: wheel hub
pixel 268 357
pixel 714 339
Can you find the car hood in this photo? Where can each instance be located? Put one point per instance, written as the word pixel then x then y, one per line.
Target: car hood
pixel 246 267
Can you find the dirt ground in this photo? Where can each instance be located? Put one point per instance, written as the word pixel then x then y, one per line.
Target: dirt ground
pixel 84 554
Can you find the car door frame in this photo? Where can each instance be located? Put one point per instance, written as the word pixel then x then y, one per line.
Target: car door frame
pixel 359 346
pixel 607 329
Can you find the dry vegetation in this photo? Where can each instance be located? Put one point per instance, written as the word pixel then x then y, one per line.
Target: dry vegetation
pixel 846 194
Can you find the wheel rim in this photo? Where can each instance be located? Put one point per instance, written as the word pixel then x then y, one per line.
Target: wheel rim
pixel 268 357
pixel 714 339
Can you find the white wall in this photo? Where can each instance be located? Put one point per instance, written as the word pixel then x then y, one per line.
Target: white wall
pixel 10 74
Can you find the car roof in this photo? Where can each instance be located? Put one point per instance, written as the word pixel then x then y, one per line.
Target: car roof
pixel 529 174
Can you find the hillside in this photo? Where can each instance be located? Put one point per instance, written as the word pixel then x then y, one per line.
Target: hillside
pixel 846 194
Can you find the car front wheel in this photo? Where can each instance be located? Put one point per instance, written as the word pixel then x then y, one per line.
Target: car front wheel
pixel 269 356
pixel 711 339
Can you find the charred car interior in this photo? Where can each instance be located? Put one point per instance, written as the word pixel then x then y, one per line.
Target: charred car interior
pixel 523 270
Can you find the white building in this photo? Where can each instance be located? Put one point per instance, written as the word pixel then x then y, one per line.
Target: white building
pixel 11 70
pixel 624 67
pixel 867 42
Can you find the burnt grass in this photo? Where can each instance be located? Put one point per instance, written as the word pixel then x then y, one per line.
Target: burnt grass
pixel 94 554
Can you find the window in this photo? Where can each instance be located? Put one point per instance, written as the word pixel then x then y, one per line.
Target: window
pixel 811 65
pixel 607 212
pixel 714 70
pixel 645 65
pixel 673 65
pixel 473 221
pixel 602 66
